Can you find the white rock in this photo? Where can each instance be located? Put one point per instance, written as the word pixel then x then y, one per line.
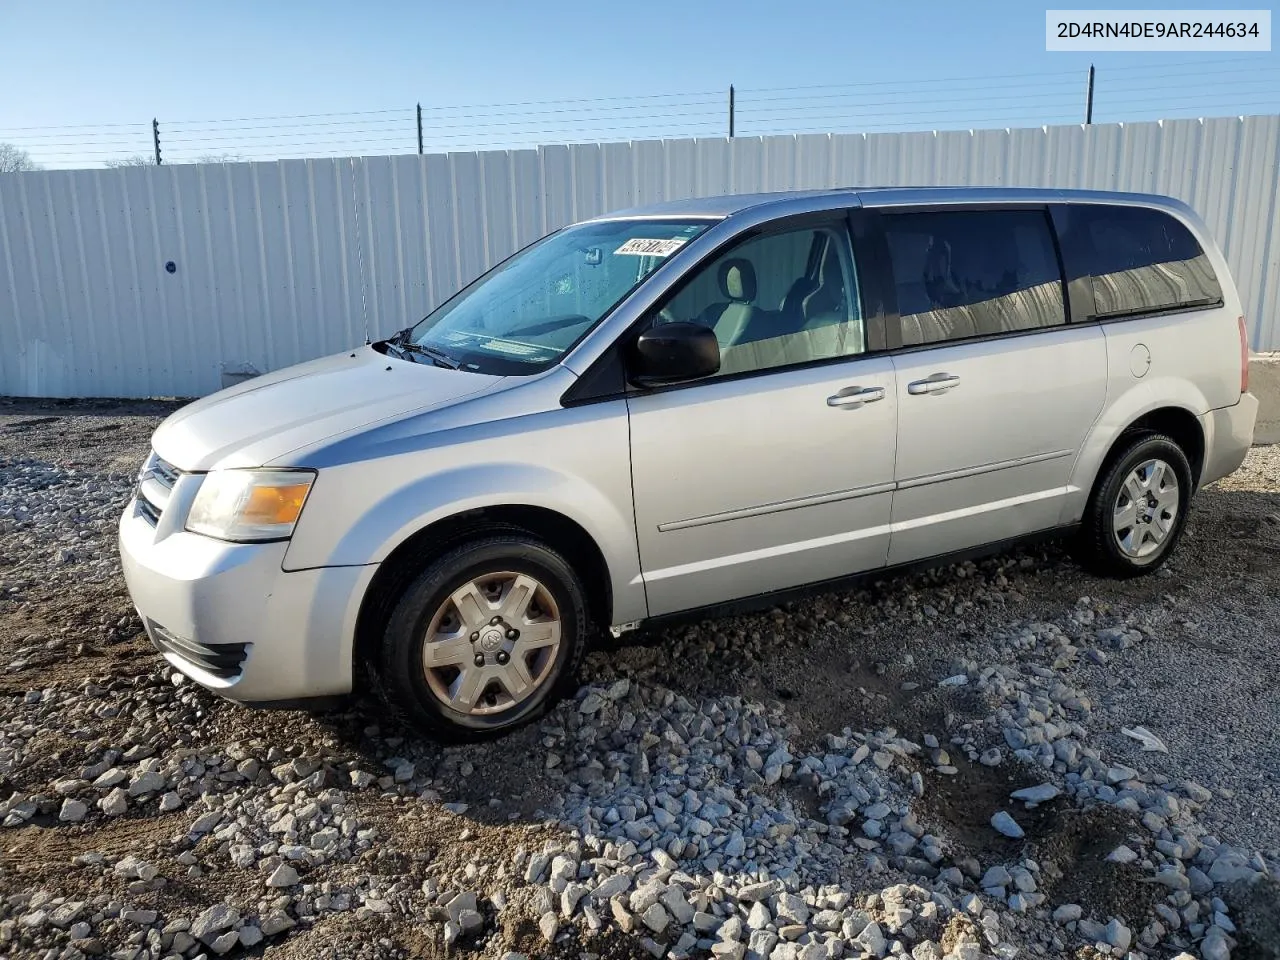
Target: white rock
pixel 549 926
pixel 758 891
pixel 1121 854
pixel 114 803
pixel 277 922
pixel 73 811
pixel 1214 946
pixel 1042 793
pixel 213 921
pixel 148 782
pixel 225 942
pixel 612 886
pixel 873 940
pixel 1005 824
pixel 1118 935
pixel 656 917
pixel 250 936
pixel 569 899
pixel 111 778
pixel 283 876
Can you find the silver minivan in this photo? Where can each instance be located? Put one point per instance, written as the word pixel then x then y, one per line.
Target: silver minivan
pixel 687 406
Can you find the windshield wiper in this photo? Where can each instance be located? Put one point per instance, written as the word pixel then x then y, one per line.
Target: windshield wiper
pixel 404 346
pixel 438 357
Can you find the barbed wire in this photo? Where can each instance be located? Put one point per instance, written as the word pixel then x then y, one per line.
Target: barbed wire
pixel 1132 92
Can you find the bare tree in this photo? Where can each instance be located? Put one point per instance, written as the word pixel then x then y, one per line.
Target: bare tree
pixel 15 160
pixel 143 160
pixel 135 160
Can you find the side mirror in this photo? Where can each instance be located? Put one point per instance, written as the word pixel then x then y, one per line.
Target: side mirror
pixel 672 353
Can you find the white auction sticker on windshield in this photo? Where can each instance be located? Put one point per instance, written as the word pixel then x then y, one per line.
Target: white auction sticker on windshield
pixel 640 247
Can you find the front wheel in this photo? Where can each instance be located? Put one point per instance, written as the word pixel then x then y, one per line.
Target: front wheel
pixel 1138 509
pixel 484 639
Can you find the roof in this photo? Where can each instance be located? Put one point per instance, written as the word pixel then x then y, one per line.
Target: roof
pixel 725 205
pixel 720 207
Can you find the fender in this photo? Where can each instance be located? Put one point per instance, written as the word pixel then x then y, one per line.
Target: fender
pixel 403 510
pixel 1137 400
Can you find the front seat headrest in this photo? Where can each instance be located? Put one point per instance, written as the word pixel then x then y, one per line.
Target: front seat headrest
pixel 737 280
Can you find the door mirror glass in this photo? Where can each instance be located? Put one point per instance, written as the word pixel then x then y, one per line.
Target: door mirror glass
pixel 673 353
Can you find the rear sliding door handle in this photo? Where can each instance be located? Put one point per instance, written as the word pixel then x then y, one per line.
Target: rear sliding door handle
pixel 855 396
pixel 934 383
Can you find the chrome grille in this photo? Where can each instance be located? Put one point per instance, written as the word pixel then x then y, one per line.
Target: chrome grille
pixel 155 486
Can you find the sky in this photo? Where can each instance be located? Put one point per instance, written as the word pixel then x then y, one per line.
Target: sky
pixel 235 79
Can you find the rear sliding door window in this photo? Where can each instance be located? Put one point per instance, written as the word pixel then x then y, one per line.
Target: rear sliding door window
pixel 974 273
pixel 1144 261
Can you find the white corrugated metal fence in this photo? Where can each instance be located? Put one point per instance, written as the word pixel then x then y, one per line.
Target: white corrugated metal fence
pixel 265 270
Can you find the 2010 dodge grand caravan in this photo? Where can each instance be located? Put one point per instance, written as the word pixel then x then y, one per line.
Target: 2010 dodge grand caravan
pixel 681 406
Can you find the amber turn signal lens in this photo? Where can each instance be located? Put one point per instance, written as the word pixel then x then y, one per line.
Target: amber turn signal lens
pixel 275 504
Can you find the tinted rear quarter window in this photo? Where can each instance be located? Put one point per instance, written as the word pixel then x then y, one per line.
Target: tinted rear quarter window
pixel 1144 261
pixel 973 273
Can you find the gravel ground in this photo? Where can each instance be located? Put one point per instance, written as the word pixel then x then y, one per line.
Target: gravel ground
pixel 1001 759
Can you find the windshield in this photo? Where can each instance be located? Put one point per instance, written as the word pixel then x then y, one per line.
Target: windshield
pixel 525 313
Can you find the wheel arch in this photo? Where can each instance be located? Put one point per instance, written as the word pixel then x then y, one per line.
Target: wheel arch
pixel 1170 405
pixel 413 554
pixel 1177 423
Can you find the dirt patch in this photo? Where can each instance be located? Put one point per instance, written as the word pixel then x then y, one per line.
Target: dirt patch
pixel 344 937
pixel 804 797
pixel 105 435
pixel 1074 869
pixel 1070 845
pixel 524 937
pixel 959 808
pixel 33 847
pixel 1255 909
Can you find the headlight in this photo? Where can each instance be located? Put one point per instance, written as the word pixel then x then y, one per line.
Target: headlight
pixel 250 504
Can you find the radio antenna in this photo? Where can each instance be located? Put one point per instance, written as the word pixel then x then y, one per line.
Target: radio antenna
pixel 364 299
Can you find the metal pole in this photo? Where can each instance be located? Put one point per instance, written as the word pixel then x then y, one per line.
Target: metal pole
pixel 731 111
pixel 1088 98
pixel 419 128
pixel 155 138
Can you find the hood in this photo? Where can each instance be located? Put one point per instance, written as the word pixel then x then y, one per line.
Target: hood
pixel 263 419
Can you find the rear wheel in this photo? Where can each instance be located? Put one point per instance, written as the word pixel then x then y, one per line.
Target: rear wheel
pixel 484 639
pixel 1138 509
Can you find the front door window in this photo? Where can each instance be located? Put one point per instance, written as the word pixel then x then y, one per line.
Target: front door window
pixel 777 300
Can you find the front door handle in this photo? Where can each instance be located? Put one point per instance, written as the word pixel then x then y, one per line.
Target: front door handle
pixel 934 383
pixel 856 396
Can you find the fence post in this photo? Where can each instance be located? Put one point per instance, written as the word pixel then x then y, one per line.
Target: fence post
pixel 419 128
pixel 1088 98
pixel 731 111
pixel 155 138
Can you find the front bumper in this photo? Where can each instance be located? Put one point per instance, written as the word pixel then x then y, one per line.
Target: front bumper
pixel 205 602
pixel 1228 434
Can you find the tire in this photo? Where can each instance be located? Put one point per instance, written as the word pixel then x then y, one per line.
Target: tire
pixel 454 600
pixel 1138 509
